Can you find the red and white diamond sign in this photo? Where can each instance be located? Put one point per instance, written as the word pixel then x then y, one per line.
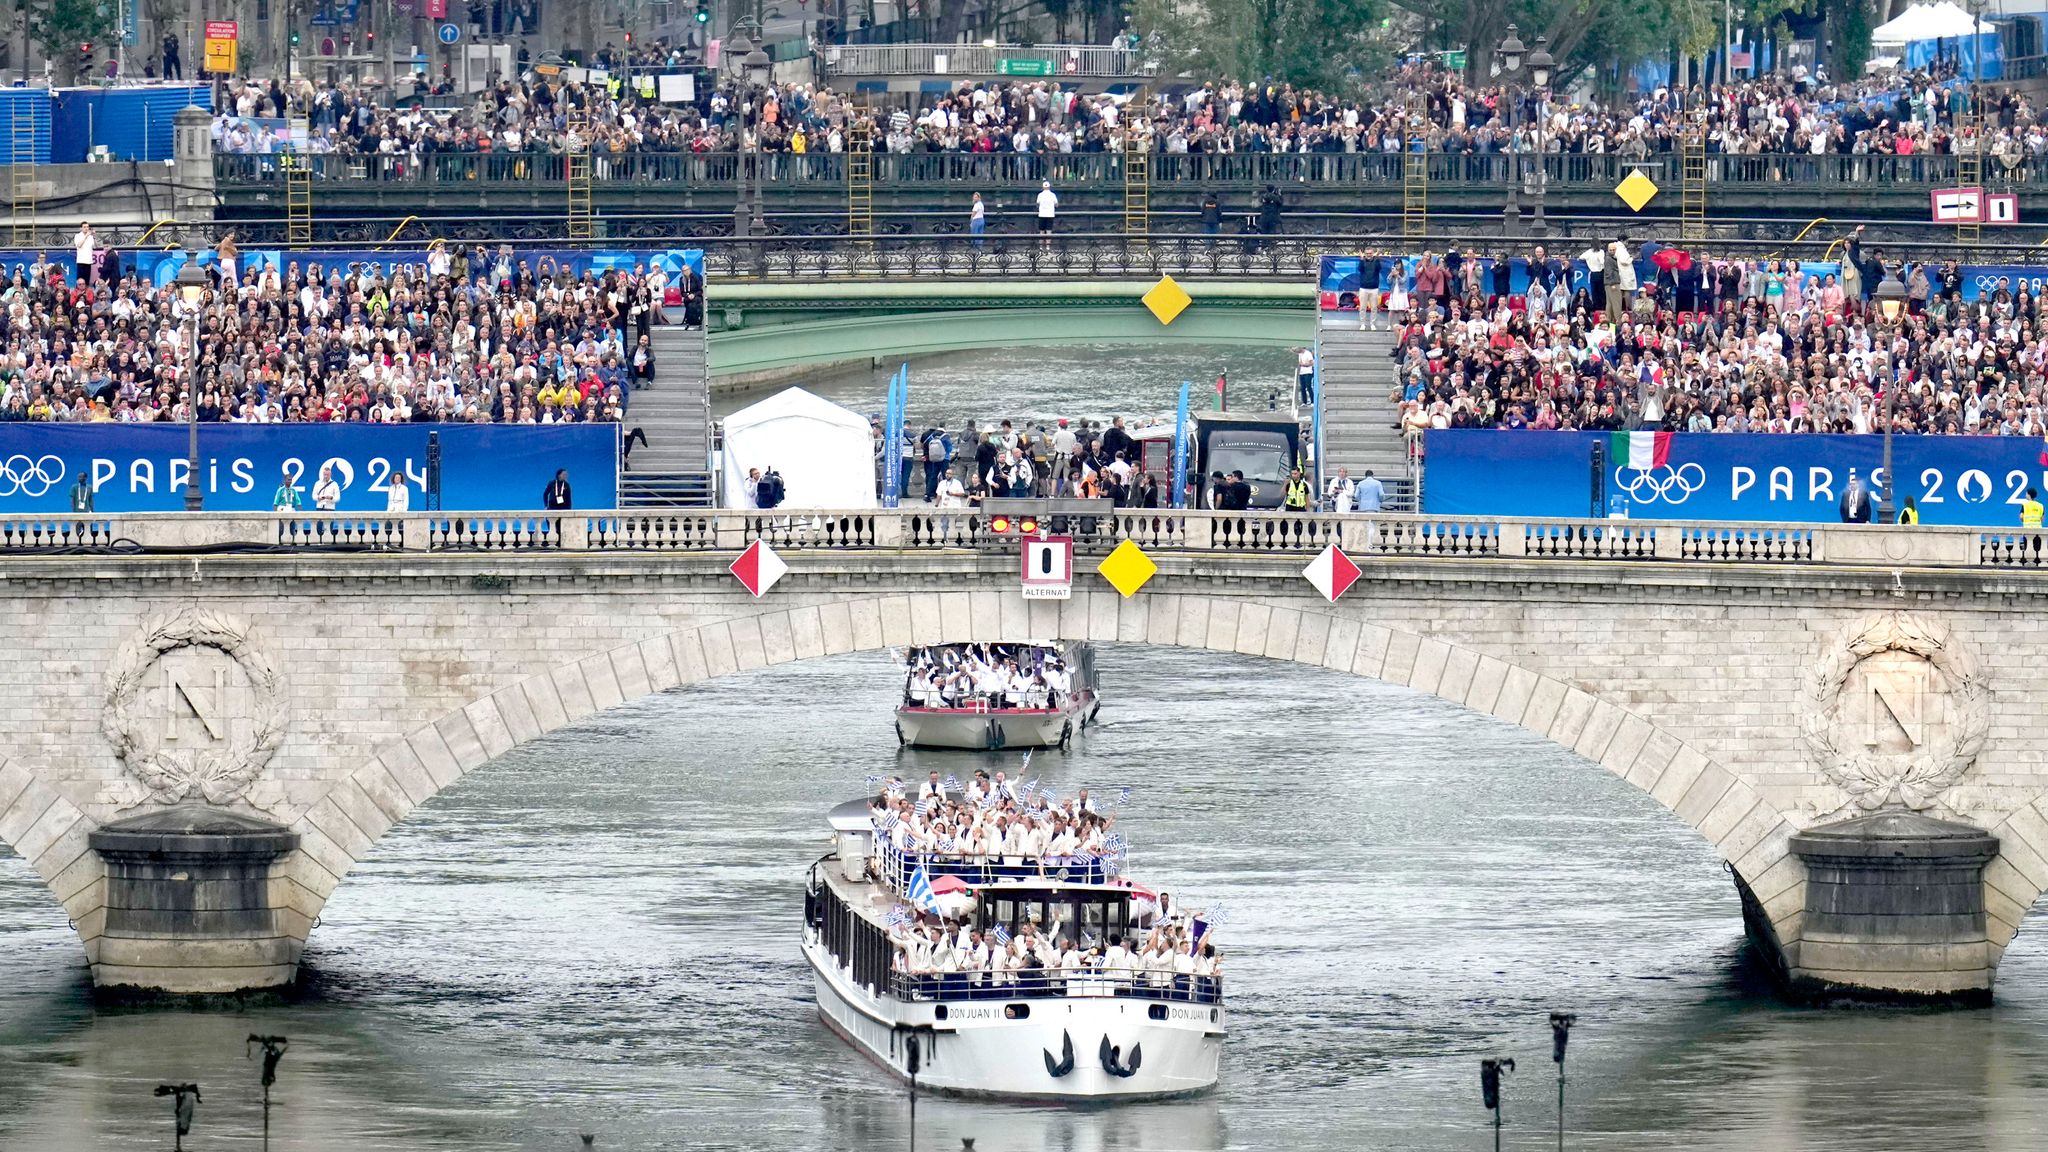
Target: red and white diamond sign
pixel 758 568
pixel 1332 572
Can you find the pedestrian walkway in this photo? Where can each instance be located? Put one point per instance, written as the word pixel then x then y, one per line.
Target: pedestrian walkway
pixel 1360 419
pixel 674 467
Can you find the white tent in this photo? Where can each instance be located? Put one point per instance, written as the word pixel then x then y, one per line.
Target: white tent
pixel 1943 21
pixel 824 452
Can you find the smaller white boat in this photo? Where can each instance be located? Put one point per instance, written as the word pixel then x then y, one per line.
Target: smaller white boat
pixel 985 697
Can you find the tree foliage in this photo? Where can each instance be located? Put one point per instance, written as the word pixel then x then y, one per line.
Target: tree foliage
pixel 1323 44
pixel 58 27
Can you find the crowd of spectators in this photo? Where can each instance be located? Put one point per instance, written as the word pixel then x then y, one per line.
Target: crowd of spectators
pixel 1714 346
pixel 1897 114
pixel 1084 458
pixel 464 336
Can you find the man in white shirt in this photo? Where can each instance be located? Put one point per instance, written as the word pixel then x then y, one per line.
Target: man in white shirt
pixel 1048 209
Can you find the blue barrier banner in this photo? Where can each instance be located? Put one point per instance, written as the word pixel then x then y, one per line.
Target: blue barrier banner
pixel 1967 480
pixel 161 268
pixel 142 467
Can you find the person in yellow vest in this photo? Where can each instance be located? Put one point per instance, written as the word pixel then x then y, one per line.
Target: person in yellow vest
pixel 1297 492
pixel 2030 510
pixel 1910 514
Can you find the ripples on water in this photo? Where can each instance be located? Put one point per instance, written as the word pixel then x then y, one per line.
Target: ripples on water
pixel 598 933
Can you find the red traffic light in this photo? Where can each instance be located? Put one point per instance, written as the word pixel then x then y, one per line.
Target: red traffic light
pixel 1028 525
pixel 999 523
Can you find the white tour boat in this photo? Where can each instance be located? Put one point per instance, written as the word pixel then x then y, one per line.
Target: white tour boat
pixel 1065 1035
pixel 1057 699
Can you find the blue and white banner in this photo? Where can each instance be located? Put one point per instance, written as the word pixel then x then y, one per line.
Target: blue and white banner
pixel 142 467
pixel 161 268
pixel 1972 480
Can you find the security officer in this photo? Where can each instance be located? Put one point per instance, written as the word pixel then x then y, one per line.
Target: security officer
pixel 1297 492
pixel 2030 510
pixel 1910 514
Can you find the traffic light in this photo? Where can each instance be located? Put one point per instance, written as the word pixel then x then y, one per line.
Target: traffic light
pixel 295 37
pixel 703 12
pixel 629 39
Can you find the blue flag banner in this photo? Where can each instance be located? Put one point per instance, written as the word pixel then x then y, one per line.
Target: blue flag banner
pixel 142 467
pixel 161 267
pixel 1968 480
pixel 1180 447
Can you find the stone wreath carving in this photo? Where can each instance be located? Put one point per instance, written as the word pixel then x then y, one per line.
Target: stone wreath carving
pixel 221 774
pixel 1876 779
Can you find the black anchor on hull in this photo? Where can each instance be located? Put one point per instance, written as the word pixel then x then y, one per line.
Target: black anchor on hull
pixel 1065 1064
pixel 1109 1053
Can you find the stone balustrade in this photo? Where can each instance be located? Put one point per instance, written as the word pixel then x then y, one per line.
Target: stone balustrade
pixel 930 530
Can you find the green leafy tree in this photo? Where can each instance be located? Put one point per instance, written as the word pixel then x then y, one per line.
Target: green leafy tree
pixel 58 27
pixel 1324 44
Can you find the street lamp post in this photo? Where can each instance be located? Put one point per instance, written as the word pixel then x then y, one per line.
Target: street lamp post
pixel 1540 65
pixel 1515 61
pixel 1891 302
pixel 1507 61
pixel 759 68
pixel 192 293
pixel 740 48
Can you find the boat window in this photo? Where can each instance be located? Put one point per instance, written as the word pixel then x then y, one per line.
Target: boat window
pixel 1005 914
pixel 1156 1012
pixel 1094 918
pixel 1016 1011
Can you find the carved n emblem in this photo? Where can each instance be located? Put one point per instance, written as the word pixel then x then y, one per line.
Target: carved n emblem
pixel 1895 706
pixel 1895 712
pixel 193 707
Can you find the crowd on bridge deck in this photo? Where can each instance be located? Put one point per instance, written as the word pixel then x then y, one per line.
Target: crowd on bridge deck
pixel 467 335
pixel 1895 114
pixel 1713 346
pixel 1083 458
pixel 986 676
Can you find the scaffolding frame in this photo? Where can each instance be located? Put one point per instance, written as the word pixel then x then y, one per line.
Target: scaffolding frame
pixel 1415 168
pixel 1137 168
pixel 582 220
pixel 860 174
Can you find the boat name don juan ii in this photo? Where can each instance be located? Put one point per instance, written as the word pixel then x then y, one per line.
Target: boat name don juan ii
pixel 1025 976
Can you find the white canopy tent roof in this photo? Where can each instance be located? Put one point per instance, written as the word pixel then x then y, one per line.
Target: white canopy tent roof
pixel 824 452
pixel 1939 21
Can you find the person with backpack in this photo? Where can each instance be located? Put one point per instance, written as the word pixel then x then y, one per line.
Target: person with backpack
pixel 937 449
pixel 768 493
pixel 1021 475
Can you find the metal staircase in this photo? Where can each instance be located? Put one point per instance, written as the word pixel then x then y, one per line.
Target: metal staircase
pixel 582 221
pixel 1692 194
pixel 860 174
pixel 1137 168
pixel 1415 169
pixel 1360 418
pixel 673 470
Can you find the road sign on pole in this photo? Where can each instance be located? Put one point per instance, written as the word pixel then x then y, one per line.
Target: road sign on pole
pixel 1048 568
pixel 449 33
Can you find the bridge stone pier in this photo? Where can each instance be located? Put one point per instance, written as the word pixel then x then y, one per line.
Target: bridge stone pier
pixel 1846 714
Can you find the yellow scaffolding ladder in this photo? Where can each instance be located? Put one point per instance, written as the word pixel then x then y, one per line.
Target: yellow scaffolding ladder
pixel 582 221
pixel 1692 193
pixel 21 149
pixel 1970 174
pixel 298 197
pixel 1137 168
pixel 1415 169
pixel 860 173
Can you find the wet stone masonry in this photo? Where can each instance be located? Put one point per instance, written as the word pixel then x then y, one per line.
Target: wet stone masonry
pixel 319 699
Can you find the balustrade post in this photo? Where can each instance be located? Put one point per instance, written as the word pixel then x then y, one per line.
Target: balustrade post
pixel 1512 538
pixel 1357 535
pixel 1200 528
pixel 892 528
pixel 415 533
pixel 1669 543
pixel 572 533
pixel 729 531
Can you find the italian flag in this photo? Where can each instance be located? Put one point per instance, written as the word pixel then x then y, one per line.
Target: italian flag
pixel 1642 451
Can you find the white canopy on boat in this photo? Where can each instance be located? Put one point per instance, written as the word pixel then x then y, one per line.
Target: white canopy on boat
pixel 824 452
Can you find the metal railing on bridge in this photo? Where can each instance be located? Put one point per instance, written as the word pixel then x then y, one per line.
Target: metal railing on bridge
pixel 1800 175
pixel 1163 531
pixel 1063 61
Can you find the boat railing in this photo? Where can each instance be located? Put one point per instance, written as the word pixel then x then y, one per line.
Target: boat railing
pixel 896 868
pixel 1055 983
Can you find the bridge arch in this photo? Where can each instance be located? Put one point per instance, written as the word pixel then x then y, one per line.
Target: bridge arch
pixel 1749 833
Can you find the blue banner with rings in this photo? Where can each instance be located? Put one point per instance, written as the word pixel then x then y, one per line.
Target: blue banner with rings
pixel 142 467
pixel 161 267
pixel 1967 480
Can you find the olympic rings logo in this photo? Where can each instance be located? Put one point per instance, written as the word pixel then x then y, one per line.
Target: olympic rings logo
pixel 1671 485
pixel 20 475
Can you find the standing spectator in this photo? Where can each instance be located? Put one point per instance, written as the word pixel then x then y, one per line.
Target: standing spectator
pixel 1305 377
pixel 286 498
pixel 174 66
pixel 326 493
pixel 977 219
pixel 1368 494
pixel 1855 505
pixel 555 497
pixel 1621 281
pixel 1048 210
pixel 81 494
pixel 1341 490
pixel 83 245
pixel 397 493
pixel 1212 214
pixel 225 253
pixel 937 448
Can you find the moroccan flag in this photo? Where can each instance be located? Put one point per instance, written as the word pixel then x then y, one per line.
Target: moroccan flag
pixel 1642 451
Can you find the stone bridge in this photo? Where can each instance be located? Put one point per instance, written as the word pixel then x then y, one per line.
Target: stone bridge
pixel 210 719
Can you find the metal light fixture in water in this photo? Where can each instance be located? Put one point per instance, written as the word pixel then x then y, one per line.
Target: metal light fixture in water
pixel 273 1051
pixel 1491 1070
pixel 185 1097
pixel 1560 1034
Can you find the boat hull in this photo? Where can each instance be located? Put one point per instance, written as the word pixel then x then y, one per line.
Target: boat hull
pixel 977 1049
pixel 988 730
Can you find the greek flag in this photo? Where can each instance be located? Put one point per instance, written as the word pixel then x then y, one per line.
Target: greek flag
pixel 873 779
pixel 898 916
pixel 1029 789
pixel 1123 797
pixel 1049 797
pixel 1026 766
pixel 922 807
pixel 1115 842
pixel 1002 936
pixel 887 821
pixel 919 890
pixel 946 844
pixel 952 784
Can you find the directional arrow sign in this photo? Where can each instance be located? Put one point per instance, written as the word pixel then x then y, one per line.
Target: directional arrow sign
pixel 1332 572
pixel 758 568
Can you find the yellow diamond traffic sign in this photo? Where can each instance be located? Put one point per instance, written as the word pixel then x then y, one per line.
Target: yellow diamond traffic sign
pixel 1127 568
pixel 1166 300
pixel 1636 190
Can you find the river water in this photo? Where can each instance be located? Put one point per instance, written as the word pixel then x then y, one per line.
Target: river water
pixel 1040 385
pixel 598 933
